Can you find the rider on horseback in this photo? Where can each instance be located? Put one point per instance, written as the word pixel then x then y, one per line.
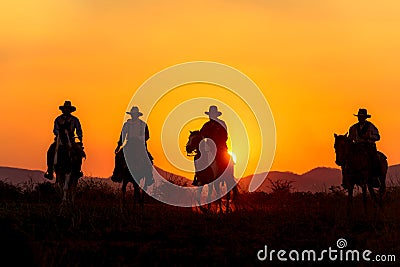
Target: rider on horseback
pixel 134 131
pixel 216 130
pixel 366 134
pixel 71 123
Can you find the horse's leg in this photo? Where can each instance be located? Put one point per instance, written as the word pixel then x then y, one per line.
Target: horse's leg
pixel 350 200
pixel 372 193
pixel 235 195
pixel 382 189
pixel 217 196
pixel 198 196
pixel 364 196
pixel 123 189
pixel 73 189
pixel 382 192
pixel 210 190
pixel 136 195
pixel 59 185
pixel 231 189
pixel 142 193
pixel 228 199
pixel 66 187
pixel 137 198
pixel 382 179
pixel 231 196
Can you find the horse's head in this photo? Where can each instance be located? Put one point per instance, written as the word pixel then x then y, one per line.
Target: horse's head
pixel 342 147
pixel 193 142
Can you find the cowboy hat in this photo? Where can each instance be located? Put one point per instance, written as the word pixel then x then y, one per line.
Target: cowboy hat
pixel 362 112
pixel 67 105
pixel 213 111
pixel 134 112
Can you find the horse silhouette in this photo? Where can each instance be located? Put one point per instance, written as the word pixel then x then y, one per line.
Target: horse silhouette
pixel 67 164
pixel 138 168
pixel 207 173
pixel 357 169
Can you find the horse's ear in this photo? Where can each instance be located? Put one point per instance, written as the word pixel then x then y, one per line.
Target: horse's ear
pixel 335 135
pixel 190 131
pixel 346 134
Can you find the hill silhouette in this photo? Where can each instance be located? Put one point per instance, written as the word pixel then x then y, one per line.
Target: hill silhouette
pixel 17 176
pixel 316 180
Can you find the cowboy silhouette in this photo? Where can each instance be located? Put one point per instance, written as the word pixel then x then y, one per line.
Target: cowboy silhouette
pixel 216 130
pixel 134 131
pixel 366 134
pixel 70 123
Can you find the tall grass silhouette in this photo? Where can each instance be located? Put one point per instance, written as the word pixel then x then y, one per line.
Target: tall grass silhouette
pixel 100 232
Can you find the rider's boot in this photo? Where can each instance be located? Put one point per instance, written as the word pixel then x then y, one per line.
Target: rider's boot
pixel 50 161
pixel 49 174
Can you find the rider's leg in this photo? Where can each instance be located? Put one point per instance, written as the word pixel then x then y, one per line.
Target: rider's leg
pixel 81 150
pixel 345 179
pixel 376 163
pixel 50 161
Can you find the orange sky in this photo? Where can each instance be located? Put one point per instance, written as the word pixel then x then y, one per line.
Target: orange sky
pixel 316 62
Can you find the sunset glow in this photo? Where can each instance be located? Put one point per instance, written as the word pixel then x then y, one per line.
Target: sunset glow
pixel 316 62
pixel 233 155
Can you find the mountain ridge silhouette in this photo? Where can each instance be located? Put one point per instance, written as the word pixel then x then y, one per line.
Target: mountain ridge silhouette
pixel 318 179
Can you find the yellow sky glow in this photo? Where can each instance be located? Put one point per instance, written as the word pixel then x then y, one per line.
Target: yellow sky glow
pixel 316 63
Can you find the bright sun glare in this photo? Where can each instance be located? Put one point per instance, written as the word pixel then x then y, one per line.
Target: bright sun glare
pixel 233 155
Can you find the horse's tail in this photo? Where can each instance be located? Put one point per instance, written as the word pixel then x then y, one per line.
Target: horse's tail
pixel 384 168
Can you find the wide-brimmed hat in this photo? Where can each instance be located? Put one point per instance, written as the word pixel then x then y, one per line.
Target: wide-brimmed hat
pixel 362 112
pixel 213 111
pixel 67 106
pixel 134 112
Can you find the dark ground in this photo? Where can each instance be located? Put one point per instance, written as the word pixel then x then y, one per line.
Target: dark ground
pixel 98 231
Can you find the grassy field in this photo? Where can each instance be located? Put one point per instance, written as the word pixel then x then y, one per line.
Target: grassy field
pixel 99 231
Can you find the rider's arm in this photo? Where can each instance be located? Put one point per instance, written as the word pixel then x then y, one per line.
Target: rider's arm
pixel 224 132
pixel 56 127
pixel 123 135
pixel 121 139
pixel 353 133
pixel 78 128
pixel 204 131
pixel 119 144
pixel 374 133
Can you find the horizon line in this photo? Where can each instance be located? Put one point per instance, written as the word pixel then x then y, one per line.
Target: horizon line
pixel 287 171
